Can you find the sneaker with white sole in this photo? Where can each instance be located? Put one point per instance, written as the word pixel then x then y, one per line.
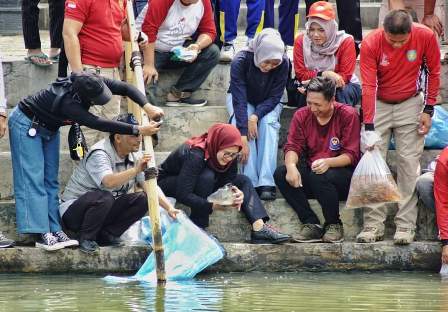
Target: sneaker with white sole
pixel 186 102
pixel 370 235
pixel 404 236
pixel 227 53
pixel 64 240
pixel 5 242
pixel 48 242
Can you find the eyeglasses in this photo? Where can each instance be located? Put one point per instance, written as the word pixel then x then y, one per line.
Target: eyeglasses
pixel 230 155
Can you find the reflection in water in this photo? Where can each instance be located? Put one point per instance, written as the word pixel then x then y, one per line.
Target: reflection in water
pixel 405 291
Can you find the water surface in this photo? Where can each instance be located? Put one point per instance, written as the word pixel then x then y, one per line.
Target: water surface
pixel 379 291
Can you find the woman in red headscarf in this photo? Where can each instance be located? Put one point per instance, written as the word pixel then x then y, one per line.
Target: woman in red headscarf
pixel 205 163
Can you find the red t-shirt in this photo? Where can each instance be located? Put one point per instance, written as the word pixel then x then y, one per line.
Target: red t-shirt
pixel 345 64
pixel 100 36
pixel 339 136
pixel 441 193
pixel 392 75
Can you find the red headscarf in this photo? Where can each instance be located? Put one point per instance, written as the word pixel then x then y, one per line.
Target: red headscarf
pixel 218 137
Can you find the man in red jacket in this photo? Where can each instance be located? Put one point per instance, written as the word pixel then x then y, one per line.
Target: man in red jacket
pixel 170 24
pixel 320 156
pixel 441 199
pixel 395 63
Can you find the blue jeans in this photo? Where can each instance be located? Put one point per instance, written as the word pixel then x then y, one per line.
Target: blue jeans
pixel 262 160
pixel 35 164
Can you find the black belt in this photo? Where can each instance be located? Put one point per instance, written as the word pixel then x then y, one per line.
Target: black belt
pixel 31 115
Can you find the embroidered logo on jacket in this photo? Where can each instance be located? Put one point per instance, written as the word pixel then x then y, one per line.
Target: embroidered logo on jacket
pixel 384 60
pixel 411 55
pixel 335 144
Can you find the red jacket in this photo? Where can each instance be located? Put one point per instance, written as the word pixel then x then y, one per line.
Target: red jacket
pixel 339 136
pixel 392 75
pixel 345 56
pixel 441 194
pixel 158 11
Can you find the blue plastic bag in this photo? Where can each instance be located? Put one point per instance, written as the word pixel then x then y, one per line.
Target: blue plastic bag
pixel 437 138
pixel 188 250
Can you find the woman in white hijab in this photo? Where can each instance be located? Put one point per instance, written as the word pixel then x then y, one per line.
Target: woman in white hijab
pixel 258 78
pixel 325 51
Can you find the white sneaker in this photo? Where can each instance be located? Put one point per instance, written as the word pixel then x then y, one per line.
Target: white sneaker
pixel 227 52
pixel 64 240
pixel 48 242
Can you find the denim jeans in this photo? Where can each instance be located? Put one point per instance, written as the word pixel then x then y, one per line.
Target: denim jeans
pixel 35 164
pixel 262 160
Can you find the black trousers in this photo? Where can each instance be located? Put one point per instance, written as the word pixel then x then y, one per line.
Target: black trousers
pixel 208 183
pixel 328 188
pixel 98 211
pixel 30 23
pixel 349 14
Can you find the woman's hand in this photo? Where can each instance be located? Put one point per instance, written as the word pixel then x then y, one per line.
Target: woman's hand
pixel 150 129
pixel 340 83
pixel 253 127
pixel 238 197
pixel 245 150
pixel 172 212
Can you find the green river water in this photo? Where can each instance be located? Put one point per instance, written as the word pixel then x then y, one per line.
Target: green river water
pixel 379 291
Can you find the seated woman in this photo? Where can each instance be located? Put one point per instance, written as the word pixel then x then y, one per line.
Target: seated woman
pixel 325 51
pixel 205 163
pixel 258 78
pixel 34 136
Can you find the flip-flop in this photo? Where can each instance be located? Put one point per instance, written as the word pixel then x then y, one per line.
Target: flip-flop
pixel 42 56
pixel 55 58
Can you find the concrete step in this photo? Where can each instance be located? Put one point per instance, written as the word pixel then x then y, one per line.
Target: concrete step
pixel 239 258
pixel 231 225
pixel 10 19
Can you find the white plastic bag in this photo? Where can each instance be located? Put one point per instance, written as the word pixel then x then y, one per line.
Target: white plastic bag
pixel 372 182
pixel 223 196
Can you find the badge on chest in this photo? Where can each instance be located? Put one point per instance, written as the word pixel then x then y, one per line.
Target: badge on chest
pixel 335 144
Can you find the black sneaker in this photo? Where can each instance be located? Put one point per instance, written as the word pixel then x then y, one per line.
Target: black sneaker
pixel 187 102
pixel 310 233
pixel 48 242
pixel 89 247
pixel 268 235
pixel 6 242
pixel 107 239
pixel 64 240
pixel 266 192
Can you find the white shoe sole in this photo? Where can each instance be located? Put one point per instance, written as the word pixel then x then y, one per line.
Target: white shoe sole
pixel 178 104
pixel 70 243
pixel 55 247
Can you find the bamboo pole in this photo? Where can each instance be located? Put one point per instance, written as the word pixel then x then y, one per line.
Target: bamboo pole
pixel 150 184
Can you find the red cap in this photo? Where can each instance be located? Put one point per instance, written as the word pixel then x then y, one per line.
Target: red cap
pixel 323 10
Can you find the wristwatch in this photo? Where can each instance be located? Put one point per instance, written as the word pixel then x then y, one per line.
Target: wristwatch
pixel 429 109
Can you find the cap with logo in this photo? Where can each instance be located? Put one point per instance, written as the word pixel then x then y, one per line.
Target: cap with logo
pixel 128 118
pixel 323 10
pixel 90 87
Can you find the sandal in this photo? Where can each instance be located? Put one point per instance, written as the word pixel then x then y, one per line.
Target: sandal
pixel 40 59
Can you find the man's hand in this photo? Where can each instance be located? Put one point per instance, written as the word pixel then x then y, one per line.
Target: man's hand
pixel 150 74
pixel 142 163
pixel 445 254
pixel 194 47
pixel 293 176
pixel 154 112
pixel 2 125
pixel 433 22
pixel 238 197
pixel 150 129
pixel 245 150
pixel 425 124
pixel 252 124
pixel 320 166
pixel 340 83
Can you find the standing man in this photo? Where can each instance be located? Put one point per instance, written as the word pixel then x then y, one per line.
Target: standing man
pixel 4 242
pixel 93 35
pixel 288 19
pixel 393 60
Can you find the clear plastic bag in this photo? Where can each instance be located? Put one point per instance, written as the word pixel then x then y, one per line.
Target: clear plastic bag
pixel 372 182
pixel 444 270
pixel 183 54
pixel 223 196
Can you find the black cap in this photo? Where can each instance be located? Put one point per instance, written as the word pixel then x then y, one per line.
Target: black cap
pixel 90 87
pixel 128 118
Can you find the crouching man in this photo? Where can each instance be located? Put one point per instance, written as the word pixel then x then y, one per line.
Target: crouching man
pixel 320 156
pixel 96 202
